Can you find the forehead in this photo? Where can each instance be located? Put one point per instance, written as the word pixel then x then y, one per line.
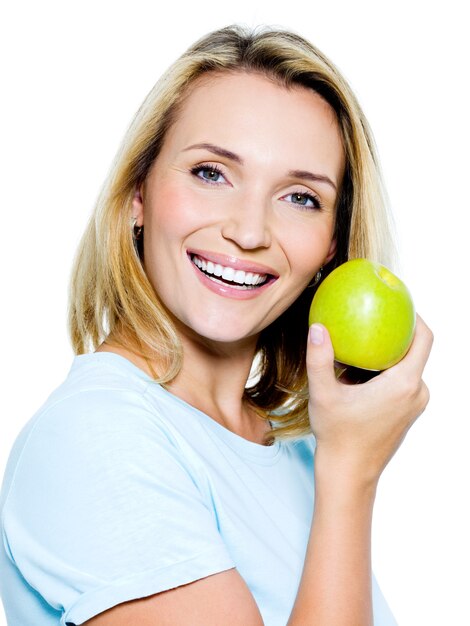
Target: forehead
pixel 243 111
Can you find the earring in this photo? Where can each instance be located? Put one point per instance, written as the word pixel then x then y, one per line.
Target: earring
pixel 136 230
pixel 316 279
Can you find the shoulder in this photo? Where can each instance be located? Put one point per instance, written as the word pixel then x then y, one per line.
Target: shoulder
pixel 97 437
pixel 105 372
pixel 99 416
pixel 98 389
pixel 98 495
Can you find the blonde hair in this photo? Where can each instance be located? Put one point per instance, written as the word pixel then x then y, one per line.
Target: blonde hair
pixel 110 292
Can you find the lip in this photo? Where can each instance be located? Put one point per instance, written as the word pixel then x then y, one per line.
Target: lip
pixel 228 291
pixel 232 261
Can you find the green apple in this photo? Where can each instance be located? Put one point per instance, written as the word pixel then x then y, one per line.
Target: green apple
pixel 368 312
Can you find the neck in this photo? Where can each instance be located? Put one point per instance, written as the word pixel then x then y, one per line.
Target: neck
pixel 212 378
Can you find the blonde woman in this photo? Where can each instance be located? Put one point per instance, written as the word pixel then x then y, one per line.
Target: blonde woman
pixel 161 484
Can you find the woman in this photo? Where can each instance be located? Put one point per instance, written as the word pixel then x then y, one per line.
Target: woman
pixel 160 483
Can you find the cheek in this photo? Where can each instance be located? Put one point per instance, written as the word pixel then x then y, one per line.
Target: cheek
pixel 172 211
pixel 309 248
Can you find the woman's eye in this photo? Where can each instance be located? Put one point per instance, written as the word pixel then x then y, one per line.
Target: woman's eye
pixel 208 173
pixel 304 199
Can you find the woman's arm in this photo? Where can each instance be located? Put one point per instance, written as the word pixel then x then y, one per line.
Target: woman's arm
pixel 358 429
pixel 219 600
pixel 336 585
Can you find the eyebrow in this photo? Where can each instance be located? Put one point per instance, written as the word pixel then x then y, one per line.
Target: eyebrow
pixel 302 174
pixel 216 150
pixel 305 175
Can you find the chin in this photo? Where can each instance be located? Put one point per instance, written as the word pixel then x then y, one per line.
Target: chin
pixel 220 332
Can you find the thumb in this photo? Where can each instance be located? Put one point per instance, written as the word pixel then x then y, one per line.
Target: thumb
pixel 320 361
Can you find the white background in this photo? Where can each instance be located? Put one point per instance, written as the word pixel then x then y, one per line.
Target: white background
pixel 73 75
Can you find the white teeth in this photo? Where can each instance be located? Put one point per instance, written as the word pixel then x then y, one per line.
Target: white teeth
pixel 239 277
pixel 228 273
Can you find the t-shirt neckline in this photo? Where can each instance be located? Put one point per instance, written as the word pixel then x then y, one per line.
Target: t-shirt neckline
pixel 242 445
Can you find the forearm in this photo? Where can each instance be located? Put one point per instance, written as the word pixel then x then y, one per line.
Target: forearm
pixel 358 428
pixel 335 588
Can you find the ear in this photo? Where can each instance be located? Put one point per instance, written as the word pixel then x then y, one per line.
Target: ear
pixel 331 251
pixel 138 207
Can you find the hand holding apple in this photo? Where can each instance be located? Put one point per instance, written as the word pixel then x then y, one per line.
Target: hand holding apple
pixel 369 314
pixel 358 428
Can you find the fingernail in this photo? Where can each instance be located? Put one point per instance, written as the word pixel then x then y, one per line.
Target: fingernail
pixel 316 334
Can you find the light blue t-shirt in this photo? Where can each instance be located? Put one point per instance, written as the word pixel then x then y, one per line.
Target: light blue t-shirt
pixel 117 489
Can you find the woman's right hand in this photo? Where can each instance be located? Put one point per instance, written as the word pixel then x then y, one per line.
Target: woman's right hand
pixel 360 427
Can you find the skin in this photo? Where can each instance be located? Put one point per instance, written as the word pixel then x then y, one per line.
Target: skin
pixel 251 215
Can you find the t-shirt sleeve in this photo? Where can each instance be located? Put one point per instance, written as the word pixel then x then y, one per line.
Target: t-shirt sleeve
pixel 104 508
pixel 383 616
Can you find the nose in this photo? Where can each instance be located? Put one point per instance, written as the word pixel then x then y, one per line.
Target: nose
pixel 248 225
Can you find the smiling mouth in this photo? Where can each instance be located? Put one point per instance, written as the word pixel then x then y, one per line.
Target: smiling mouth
pixel 225 275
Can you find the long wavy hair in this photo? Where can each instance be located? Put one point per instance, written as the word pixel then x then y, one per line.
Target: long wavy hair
pixel 110 292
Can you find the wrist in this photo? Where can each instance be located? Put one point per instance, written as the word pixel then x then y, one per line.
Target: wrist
pixel 342 471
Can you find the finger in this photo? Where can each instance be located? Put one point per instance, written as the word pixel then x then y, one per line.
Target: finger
pixel 418 354
pixel 320 361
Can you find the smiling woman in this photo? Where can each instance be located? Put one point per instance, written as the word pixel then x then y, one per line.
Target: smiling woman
pixel 159 484
pixel 236 201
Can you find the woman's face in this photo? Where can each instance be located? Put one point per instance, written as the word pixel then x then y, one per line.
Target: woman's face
pixel 239 207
